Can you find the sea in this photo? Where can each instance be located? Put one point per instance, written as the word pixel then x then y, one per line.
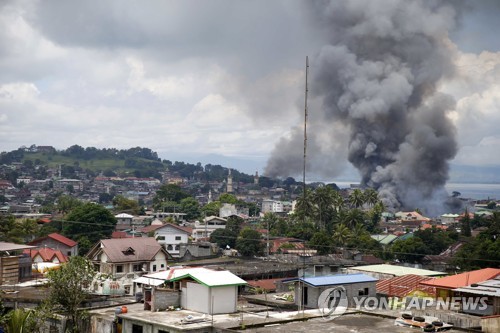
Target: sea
pixel 466 190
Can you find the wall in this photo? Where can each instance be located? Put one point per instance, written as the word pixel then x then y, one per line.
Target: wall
pixel 224 299
pixel 490 324
pixel 352 290
pixel 197 297
pixel 162 298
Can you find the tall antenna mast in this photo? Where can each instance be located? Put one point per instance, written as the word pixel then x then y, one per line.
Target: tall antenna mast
pixel 305 132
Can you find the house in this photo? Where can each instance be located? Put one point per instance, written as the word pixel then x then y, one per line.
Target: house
pixel 445 286
pixel 195 288
pixel 46 254
pixel 123 221
pixel 411 216
pixel 127 258
pixel 56 242
pixel 209 225
pixel 310 288
pixel 170 236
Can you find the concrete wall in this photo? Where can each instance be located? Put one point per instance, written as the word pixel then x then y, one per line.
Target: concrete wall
pixel 490 324
pixel 162 298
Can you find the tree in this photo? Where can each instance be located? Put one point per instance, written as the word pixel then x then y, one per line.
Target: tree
pixel 321 242
pixel 191 207
pixel 411 250
pixel 228 198
pixel 69 288
pixel 341 234
pixel 223 238
pixel 356 198
pixel 465 224
pixel 169 192
pixel 66 203
pixel 211 209
pixel 91 220
pixel 371 196
pixel 124 205
pixel 234 224
pixel 249 242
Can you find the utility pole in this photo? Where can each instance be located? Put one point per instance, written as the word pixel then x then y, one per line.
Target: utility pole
pixel 304 189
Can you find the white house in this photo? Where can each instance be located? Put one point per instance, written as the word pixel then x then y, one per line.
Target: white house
pixel 197 289
pixel 170 236
pixel 210 224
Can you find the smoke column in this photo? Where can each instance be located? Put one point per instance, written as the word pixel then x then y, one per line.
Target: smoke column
pixel 378 76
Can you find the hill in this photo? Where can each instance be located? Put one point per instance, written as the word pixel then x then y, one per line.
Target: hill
pixel 137 162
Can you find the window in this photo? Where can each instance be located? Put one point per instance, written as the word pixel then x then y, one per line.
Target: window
pixel 137 267
pixel 160 238
pixel 177 248
pixel 154 268
pixel 119 268
pixel 136 328
pixel 162 266
pixel 177 237
pixel 162 331
pixel 363 292
pixel 169 247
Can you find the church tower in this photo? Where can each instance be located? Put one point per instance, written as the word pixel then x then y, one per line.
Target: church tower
pixel 229 188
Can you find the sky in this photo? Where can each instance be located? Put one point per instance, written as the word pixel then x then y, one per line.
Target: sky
pixel 211 81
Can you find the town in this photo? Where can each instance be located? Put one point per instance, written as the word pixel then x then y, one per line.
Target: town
pixel 156 246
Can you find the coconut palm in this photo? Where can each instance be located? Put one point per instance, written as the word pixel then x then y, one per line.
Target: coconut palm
pixel 353 217
pixel 356 198
pixel 371 196
pixel 323 200
pixel 341 234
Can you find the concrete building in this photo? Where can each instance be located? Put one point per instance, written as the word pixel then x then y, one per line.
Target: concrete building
pixel 171 236
pixel 271 206
pixel 209 225
pixel 309 289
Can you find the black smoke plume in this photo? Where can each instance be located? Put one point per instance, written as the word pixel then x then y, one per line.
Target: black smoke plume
pixel 378 76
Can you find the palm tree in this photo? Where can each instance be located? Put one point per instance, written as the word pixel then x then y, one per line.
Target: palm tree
pixel 356 198
pixel 371 196
pixel 322 199
pixel 341 234
pixel 304 207
pixel 354 217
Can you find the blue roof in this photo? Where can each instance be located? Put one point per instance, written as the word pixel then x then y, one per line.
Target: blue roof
pixel 331 280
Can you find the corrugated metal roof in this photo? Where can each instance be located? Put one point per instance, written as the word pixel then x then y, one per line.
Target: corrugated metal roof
pixel 141 249
pixel 396 270
pixel 205 276
pixel 488 287
pixel 331 280
pixel 400 286
pixel 464 279
pixel 214 278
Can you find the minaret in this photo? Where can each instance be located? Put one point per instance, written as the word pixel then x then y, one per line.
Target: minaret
pixel 210 196
pixel 229 188
pixel 256 178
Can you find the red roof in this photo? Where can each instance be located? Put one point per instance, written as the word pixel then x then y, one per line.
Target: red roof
pixel 266 284
pixel 120 234
pixel 463 279
pixel 401 286
pixel 57 237
pixel 47 254
pixel 61 239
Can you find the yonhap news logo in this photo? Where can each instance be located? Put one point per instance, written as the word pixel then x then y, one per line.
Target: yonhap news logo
pixel 333 302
